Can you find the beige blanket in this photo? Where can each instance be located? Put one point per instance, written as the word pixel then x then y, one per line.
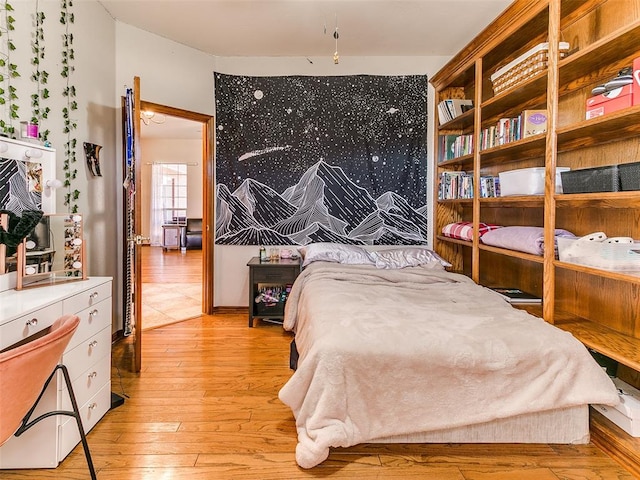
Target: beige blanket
pixel 390 352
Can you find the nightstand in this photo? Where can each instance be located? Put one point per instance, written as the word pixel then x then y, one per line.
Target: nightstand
pixel 276 275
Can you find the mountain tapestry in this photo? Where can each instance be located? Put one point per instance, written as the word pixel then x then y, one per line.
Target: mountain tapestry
pixel 321 159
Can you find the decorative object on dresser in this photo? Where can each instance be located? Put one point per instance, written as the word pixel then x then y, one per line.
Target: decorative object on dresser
pixel 26 370
pixel 29 312
pixel 53 253
pixel 269 282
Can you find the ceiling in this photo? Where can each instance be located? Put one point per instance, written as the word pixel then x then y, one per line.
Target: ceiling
pixel 266 28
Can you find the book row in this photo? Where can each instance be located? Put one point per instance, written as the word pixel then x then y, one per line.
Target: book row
pixel 459 185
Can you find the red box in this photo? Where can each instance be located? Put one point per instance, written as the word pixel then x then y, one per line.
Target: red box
pixel 610 101
pixel 617 99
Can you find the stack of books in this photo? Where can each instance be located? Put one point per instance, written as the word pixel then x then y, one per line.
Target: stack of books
pixel 455 185
pixel 506 130
pixel 454 146
pixel 451 108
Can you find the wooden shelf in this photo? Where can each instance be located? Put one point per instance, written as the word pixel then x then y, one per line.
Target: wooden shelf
pixel 531 92
pixel 462 201
pixel 465 162
pixel 457 241
pixel 529 147
pixel 621 446
pixel 599 200
pixel 604 37
pixel 531 201
pixel 461 122
pixel 631 277
pixel 621 348
pixel 598 56
pixel 512 253
pixel 600 130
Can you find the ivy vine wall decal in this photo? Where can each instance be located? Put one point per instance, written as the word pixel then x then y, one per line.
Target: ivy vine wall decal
pixel 69 92
pixel 39 111
pixel 8 71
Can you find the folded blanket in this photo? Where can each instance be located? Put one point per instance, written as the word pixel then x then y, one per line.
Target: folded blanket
pixel 522 239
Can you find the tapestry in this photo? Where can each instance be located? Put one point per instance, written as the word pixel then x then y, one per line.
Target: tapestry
pixel 321 159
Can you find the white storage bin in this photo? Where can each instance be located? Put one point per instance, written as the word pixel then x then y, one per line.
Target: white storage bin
pixel 527 181
pixel 627 413
pixel 607 256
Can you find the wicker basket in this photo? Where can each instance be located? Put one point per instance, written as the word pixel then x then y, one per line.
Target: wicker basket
pixel 524 67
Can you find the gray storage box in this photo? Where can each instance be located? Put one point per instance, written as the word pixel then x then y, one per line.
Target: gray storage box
pixel 589 180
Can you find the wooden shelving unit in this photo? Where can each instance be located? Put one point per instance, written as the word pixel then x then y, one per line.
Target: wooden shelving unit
pixel 599 307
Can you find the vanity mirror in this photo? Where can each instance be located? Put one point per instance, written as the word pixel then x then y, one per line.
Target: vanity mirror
pixel 53 253
pixel 28 183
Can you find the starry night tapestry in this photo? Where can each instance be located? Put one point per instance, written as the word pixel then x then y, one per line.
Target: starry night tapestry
pixel 321 159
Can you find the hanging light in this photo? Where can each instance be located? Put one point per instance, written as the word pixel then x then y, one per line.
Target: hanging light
pixel 147 117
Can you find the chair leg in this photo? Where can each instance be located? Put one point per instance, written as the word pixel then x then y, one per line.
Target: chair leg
pixel 26 424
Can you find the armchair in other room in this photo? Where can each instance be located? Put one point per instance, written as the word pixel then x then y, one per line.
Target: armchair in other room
pixel 192 234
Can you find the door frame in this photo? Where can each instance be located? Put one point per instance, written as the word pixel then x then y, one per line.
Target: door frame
pixel 208 189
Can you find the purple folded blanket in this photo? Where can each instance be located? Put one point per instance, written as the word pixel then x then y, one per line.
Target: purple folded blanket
pixel 523 239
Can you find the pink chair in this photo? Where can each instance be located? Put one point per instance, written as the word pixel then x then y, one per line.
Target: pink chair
pixel 26 370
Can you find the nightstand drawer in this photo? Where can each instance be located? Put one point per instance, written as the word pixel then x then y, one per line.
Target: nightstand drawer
pixel 275 274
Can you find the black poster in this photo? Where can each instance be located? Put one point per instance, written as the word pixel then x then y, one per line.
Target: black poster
pixel 311 159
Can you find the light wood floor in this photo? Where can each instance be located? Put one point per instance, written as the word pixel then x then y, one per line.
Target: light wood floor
pixel 205 406
pixel 171 286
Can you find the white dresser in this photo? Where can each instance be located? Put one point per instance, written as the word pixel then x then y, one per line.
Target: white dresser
pixel 87 357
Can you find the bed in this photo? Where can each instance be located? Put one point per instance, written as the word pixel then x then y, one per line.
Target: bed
pixel 419 354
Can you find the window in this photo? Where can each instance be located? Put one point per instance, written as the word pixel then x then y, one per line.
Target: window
pixel 173 193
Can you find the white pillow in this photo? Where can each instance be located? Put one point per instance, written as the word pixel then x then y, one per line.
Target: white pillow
pixel 335 252
pixel 408 257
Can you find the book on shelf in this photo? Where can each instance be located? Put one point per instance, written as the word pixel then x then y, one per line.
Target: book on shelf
pixel 450 108
pixel 454 146
pixel 515 295
pixel 534 122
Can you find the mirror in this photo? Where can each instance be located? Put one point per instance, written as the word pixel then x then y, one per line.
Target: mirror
pixel 53 253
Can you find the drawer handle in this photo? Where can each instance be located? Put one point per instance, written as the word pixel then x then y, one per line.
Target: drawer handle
pixel 93 312
pixel 93 344
pixel 32 323
pixel 93 405
pixel 93 296
pixel 93 374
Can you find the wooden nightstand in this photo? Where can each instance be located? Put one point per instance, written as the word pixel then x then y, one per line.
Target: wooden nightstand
pixel 263 275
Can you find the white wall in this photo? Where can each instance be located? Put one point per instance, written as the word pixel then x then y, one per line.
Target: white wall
pixel 172 150
pixel 94 79
pixel 177 76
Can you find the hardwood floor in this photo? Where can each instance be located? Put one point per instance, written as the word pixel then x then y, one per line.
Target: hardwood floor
pixel 205 406
pixel 171 286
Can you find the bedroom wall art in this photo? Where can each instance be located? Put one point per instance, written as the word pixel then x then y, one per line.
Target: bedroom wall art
pixel 304 159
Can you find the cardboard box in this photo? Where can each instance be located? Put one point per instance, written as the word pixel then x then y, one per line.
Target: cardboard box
pixel 617 99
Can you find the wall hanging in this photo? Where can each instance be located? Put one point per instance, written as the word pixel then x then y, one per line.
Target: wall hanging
pixel 309 159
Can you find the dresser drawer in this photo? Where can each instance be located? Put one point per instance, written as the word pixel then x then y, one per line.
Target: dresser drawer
pixel 90 412
pixel 88 383
pixel 87 353
pixel 27 325
pixel 275 274
pixel 86 299
pixel 92 320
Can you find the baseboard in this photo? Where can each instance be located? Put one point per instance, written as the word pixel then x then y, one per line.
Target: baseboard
pixel 226 309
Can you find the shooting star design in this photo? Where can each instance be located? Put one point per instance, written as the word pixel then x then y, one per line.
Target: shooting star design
pixel 257 153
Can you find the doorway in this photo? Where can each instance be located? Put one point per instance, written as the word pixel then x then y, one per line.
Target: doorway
pixel 177 283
